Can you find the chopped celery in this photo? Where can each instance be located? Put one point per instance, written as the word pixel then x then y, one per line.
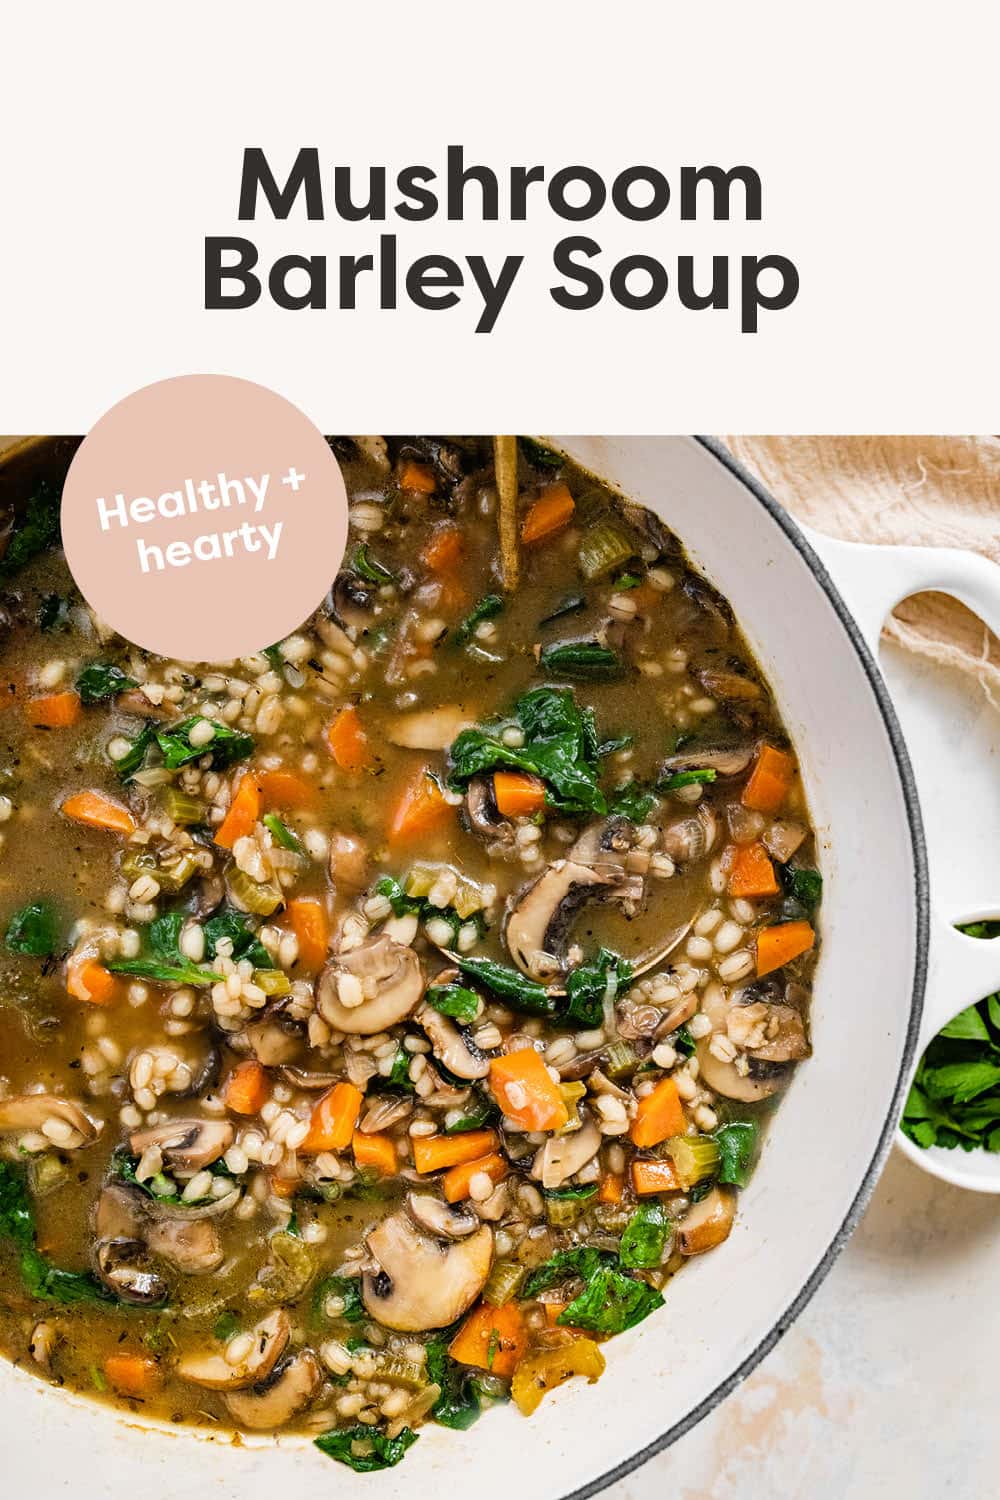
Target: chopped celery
pixel 420 881
pixel 262 897
pixel 694 1157
pixel 181 807
pixel 621 1060
pixel 503 1282
pixel 604 547
pixel 272 981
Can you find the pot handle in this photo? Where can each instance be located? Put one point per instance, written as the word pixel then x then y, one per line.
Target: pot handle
pixel 873 580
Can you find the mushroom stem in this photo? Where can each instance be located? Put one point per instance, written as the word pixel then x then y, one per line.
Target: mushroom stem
pixel 505 466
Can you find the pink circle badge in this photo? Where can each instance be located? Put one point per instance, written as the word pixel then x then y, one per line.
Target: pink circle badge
pixel 204 517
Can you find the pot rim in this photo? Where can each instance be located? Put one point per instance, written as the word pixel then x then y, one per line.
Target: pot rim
pixel 922 913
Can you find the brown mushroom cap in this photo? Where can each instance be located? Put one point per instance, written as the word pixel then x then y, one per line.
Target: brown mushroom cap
pixel 270 1338
pixel 422 1282
pixel 708 1223
pixel 381 965
pixel 186 1143
pixel 536 925
pixel 273 1402
pixel 34 1111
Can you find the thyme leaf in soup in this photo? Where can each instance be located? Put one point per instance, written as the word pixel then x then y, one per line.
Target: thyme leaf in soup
pixel 593 985
pixel 633 801
pixel 35 532
pixel 737 1143
pixel 368 567
pixel 226 747
pixel 570 605
pixel 161 973
pixel 454 1000
pixel 677 779
pixel 560 746
pixel 538 455
pixel 365 1449
pixel 42 1280
pixel 611 1302
pixel 134 759
pixel 644 1237
pixel 510 985
pixel 33 931
pixel 100 680
pixel 588 660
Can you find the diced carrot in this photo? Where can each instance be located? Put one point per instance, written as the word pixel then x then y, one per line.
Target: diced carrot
pixel 347 741
pixel 284 789
pixel 132 1374
pixel 283 1187
pixel 611 1189
pixel 307 915
pixel 443 551
pixel 491 1338
pixel 416 476
pixel 433 1152
pixel 770 780
pixel 88 980
pixel 752 873
pixel 654 1176
pixel 550 513
pixel 779 945
pixel 54 711
pixel 244 810
pixel 334 1117
pixel 659 1114
pixel 97 811
pixel 246 1089
pixel 422 809
pixel 526 1091
pixel 518 795
pixel 377 1150
pixel 457 1180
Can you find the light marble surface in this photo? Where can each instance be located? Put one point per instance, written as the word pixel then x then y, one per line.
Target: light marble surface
pixel 887 1384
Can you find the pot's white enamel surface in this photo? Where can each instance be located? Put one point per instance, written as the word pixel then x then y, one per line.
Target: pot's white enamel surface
pixel 822 1152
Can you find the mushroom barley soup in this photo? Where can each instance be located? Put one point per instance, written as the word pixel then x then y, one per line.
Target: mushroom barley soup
pixel 387 1016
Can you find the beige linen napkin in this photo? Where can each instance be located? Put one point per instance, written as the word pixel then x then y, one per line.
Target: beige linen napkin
pixel 921 491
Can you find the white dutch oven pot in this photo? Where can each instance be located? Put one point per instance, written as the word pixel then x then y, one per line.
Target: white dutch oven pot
pixel 892 970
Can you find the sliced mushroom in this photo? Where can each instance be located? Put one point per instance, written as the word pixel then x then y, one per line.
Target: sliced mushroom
pixel 120 1265
pixel 210 892
pixel 387 975
pixel 422 1282
pixel 384 1111
pixel 353 600
pixel 190 1245
pixel 730 685
pixel 186 1143
pixel 303 1079
pixel 428 729
pixel 604 845
pixel 769 1037
pixel 562 1156
pixel 726 759
pixel 783 839
pixel 276 1038
pixel 691 838
pixel 457 1052
pixel 44 1338
pixel 348 862
pixel 482 814
pixel 273 1402
pixel 270 1339
pixel 707 1224
pixel 536 926
pixel 35 1111
pixel 437 1217
pixel 661 950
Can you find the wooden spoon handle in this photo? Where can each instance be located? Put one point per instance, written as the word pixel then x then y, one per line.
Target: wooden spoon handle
pixel 505 464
